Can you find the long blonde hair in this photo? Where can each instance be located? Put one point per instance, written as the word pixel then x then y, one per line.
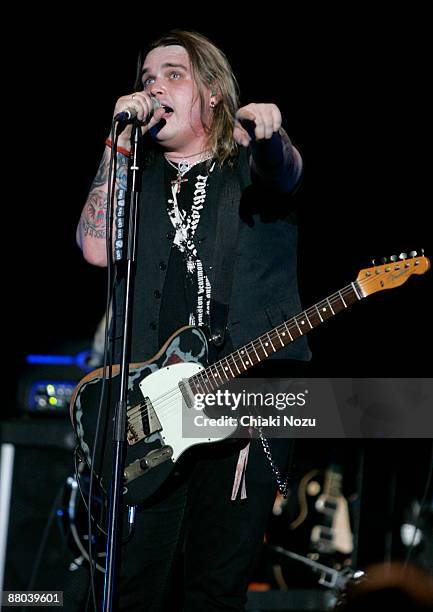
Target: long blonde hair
pixel 210 69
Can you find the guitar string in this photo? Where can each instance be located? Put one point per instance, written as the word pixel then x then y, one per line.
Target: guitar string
pixel 162 400
pixel 169 398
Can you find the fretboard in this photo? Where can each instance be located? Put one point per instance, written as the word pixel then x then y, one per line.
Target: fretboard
pixel 264 346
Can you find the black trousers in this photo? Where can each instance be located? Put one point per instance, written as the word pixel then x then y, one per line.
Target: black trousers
pixel 217 539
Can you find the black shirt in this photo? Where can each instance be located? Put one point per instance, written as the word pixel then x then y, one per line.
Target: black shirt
pixel 177 299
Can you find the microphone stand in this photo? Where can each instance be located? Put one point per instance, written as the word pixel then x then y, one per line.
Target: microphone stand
pixel 119 423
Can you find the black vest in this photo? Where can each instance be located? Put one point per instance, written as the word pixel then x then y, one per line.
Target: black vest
pixel 265 291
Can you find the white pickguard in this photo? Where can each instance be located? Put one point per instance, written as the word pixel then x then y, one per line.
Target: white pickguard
pixel 161 387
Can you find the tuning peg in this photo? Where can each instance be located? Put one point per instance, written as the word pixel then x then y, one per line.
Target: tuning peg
pixel 422 251
pixel 403 255
pixel 393 258
pixel 413 254
pixel 373 261
pixel 383 260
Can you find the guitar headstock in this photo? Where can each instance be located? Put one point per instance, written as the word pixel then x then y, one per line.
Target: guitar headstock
pixel 393 273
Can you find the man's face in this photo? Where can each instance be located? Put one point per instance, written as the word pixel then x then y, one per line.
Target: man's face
pixel 167 76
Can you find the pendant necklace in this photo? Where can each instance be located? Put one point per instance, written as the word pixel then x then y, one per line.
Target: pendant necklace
pixel 183 167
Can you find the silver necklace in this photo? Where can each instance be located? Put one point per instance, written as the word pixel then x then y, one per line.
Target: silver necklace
pixel 185 166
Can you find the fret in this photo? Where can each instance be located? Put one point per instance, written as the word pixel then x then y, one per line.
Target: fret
pixel 338 304
pixel 209 380
pixel 192 382
pixel 295 337
pixel 254 349
pixel 250 361
pixel 288 331
pixel 222 371
pixel 332 310
pixel 216 376
pixel 309 322
pixel 275 350
pixel 294 318
pixel 342 299
pixel 220 363
pixel 202 374
pixel 228 366
pixel 240 355
pixel 356 291
pixel 279 338
pixel 196 387
pixel 199 383
pixel 318 312
pixel 234 361
pixel 301 318
pixel 264 350
pixel 325 310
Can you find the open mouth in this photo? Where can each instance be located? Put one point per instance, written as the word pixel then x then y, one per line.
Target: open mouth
pixel 168 111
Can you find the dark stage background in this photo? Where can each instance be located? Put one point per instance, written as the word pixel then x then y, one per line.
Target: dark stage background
pixel 352 90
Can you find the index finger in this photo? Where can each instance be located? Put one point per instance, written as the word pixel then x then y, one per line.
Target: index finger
pixel 243 113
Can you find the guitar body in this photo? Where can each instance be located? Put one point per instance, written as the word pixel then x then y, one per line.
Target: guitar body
pixel 154 416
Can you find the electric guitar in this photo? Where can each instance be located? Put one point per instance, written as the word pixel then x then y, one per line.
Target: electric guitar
pixel 315 521
pixel 160 387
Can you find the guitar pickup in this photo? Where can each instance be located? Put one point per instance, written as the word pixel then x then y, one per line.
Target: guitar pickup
pixel 187 393
pixel 142 422
pixel 322 538
pixel 327 505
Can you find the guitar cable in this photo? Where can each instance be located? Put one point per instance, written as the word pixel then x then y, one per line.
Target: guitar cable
pixel 83 496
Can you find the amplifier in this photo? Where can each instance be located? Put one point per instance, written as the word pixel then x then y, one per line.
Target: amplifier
pixel 47 381
pixel 36 458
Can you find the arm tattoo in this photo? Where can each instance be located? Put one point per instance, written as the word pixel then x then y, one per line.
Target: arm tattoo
pixel 102 175
pixel 94 216
pixel 93 219
pixel 122 171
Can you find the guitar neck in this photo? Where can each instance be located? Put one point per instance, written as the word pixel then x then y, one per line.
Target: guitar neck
pixel 333 482
pixel 279 337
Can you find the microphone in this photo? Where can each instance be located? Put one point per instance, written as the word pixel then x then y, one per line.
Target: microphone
pixel 131 113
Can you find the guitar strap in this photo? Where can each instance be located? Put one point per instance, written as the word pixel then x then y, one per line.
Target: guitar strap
pixel 227 229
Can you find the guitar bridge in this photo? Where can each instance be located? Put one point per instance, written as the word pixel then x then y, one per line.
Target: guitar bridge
pixel 151 460
pixel 142 422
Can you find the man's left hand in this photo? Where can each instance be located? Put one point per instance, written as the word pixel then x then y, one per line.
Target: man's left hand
pixel 256 121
